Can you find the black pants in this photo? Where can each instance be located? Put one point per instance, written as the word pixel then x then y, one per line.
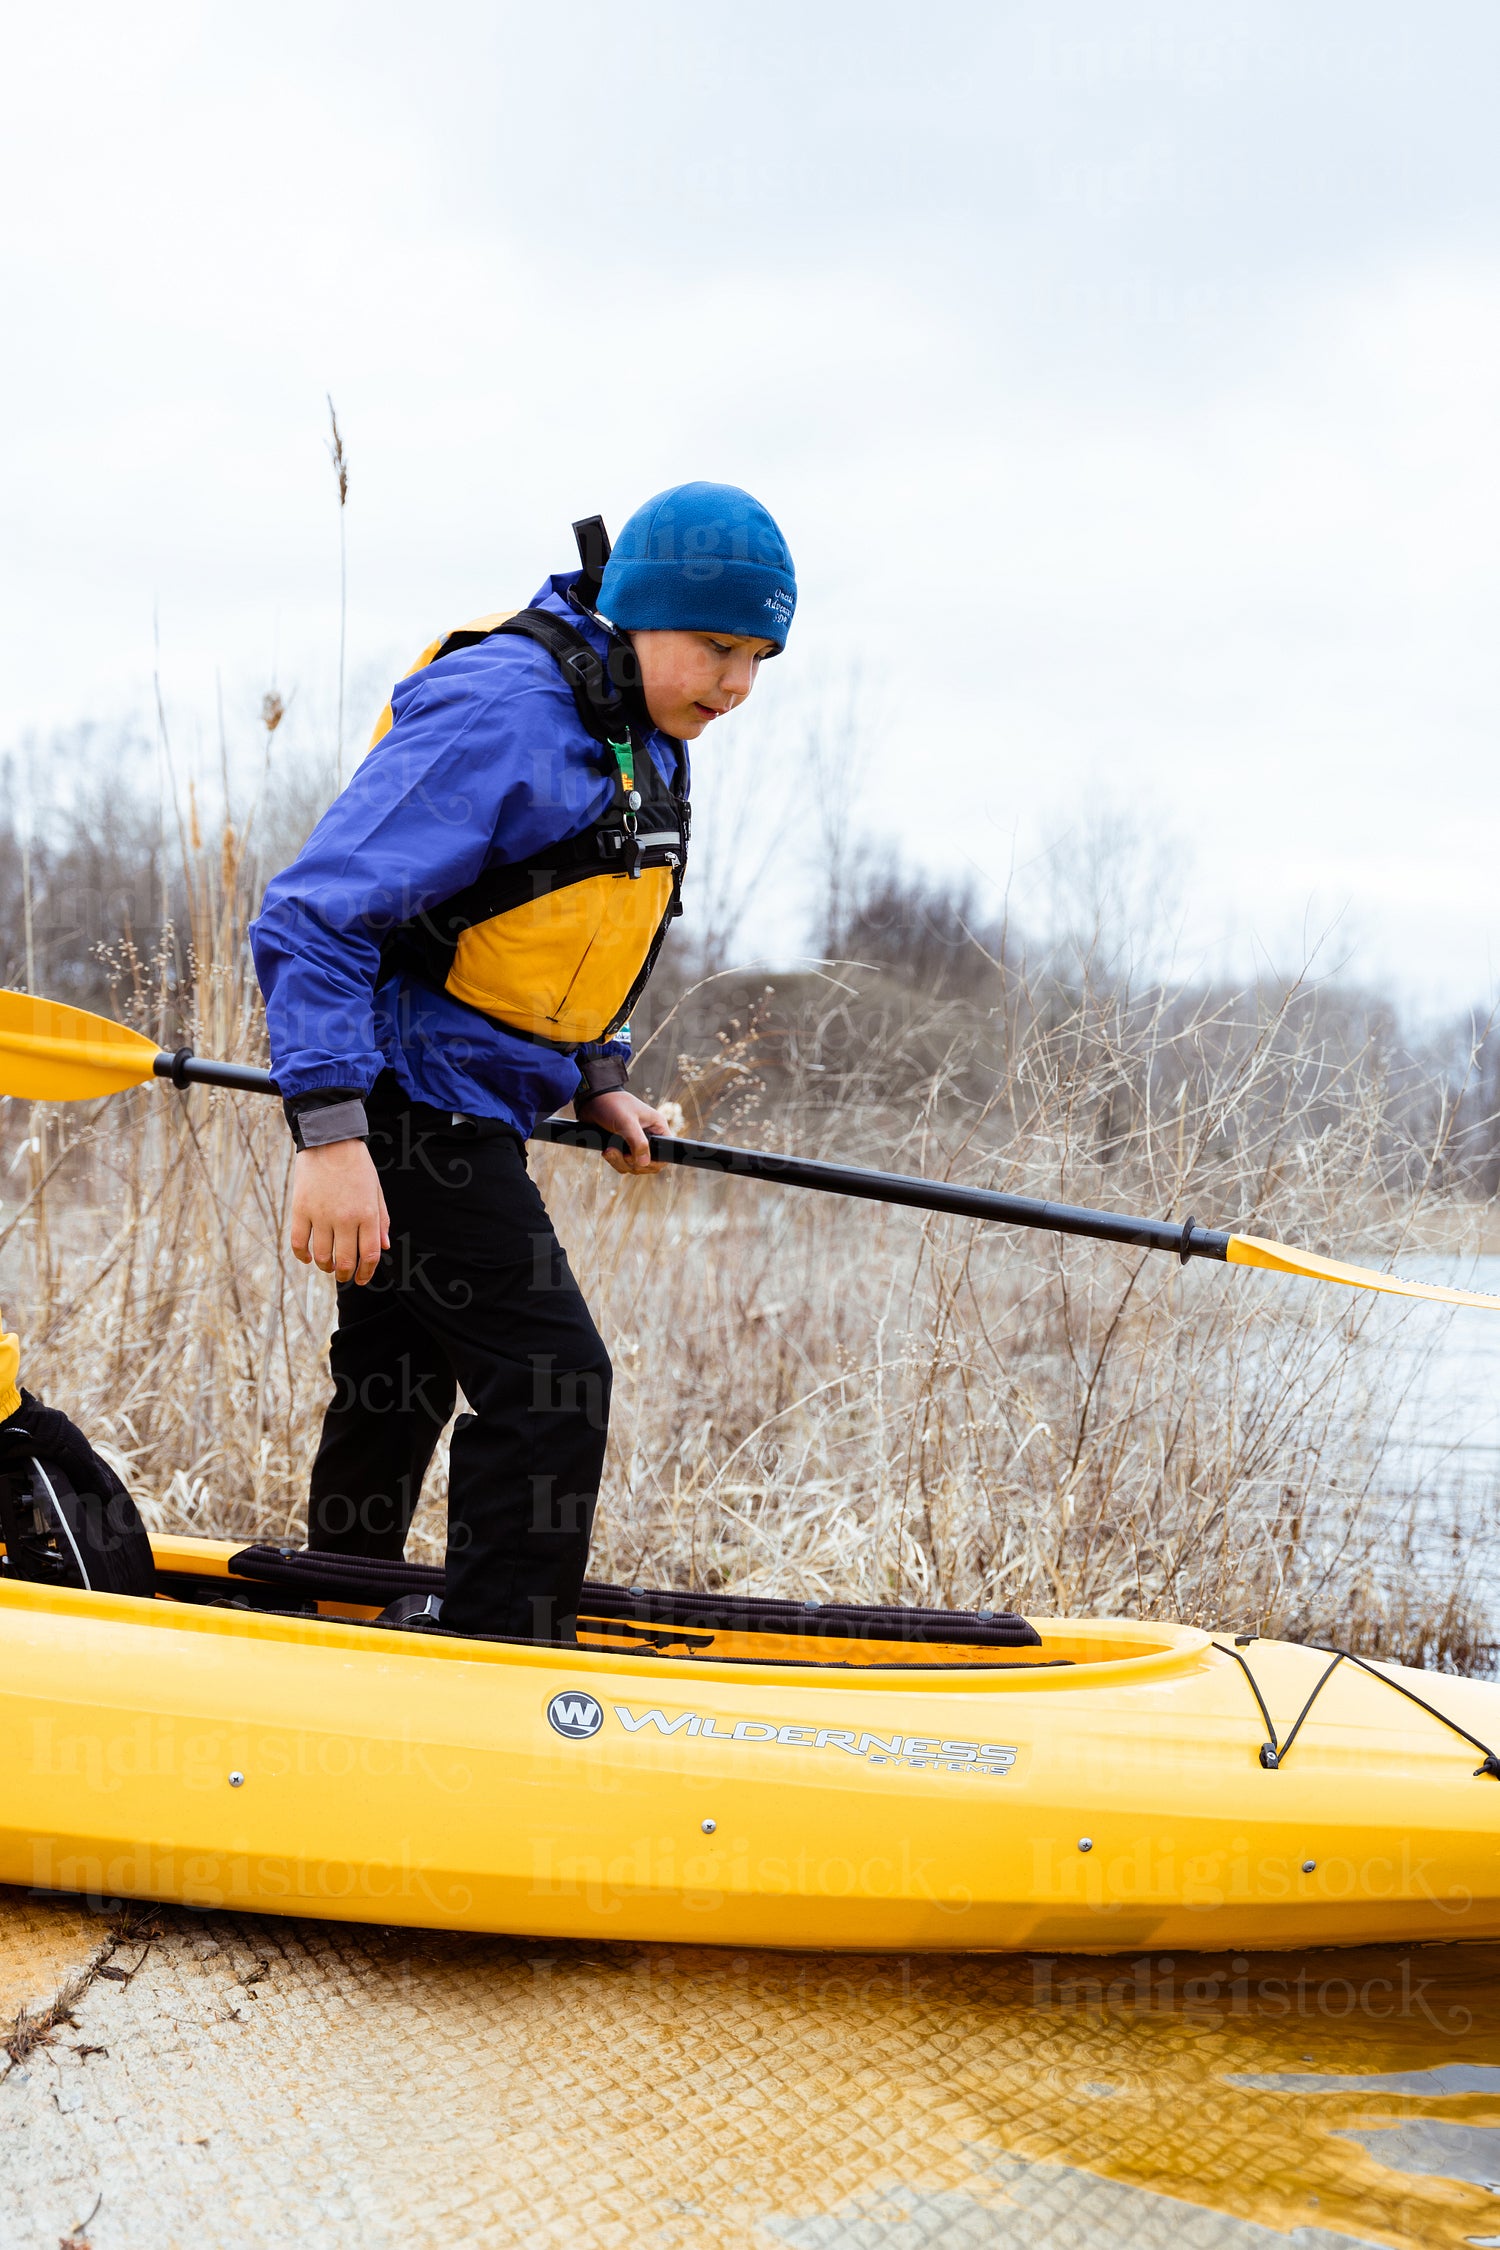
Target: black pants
pixel 476 1291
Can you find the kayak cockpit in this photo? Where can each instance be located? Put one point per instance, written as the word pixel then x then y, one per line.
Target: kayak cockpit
pixel 633 1620
pixel 284 1580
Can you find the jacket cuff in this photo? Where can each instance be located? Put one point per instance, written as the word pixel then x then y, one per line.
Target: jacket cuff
pixel 601 1074
pixel 317 1120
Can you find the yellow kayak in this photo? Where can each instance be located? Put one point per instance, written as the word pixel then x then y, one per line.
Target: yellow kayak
pixel 790 1779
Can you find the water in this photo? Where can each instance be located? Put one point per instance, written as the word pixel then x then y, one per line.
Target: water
pixel 1444 1370
pixel 1453 1423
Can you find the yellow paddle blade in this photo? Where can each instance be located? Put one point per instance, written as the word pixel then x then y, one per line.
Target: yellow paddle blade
pixel 49 1053
pixel 1248 1250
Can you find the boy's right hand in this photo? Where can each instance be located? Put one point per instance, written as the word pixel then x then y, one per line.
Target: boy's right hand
pixel 339 1220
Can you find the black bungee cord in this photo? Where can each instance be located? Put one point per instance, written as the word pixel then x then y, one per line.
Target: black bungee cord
pixel 1273 1753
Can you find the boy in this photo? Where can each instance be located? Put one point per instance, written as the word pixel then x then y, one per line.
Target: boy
pixel 453 955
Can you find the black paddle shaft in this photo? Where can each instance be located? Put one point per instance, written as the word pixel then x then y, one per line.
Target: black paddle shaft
pixel 1185 1237
pixel 186 1069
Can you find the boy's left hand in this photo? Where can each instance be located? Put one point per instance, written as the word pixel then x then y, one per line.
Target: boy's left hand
pixel 621 1113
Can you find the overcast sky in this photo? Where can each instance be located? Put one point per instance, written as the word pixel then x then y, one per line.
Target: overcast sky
pixel 1125 379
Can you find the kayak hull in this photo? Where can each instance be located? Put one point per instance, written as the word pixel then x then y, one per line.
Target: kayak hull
pixel 1104 1797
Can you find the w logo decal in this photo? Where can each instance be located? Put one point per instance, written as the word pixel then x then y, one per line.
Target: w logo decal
pixel 575 1714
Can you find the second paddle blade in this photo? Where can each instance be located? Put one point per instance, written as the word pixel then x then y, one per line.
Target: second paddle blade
pixel 1276 1257
pixel 53 1053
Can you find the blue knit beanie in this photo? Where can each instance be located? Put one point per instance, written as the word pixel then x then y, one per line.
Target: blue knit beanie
pixel 701 558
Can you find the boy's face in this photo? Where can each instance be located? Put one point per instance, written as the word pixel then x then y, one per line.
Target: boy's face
pixel 691 679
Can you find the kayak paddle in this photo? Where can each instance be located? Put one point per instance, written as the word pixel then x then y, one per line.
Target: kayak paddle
pixel 1184 1236
pixel 50 1052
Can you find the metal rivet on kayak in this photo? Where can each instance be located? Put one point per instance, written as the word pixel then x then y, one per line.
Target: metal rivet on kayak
pixel 709 1826
pixel 1308 1865
pixel 236 1781
pixel 1085 1843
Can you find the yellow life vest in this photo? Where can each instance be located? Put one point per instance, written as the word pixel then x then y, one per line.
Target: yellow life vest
pixel 557 947
pixel 10 1374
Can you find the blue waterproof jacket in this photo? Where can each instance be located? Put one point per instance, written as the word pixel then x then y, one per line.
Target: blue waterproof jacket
pixel 486 763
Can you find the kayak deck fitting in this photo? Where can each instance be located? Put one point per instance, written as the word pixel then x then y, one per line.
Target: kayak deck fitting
pixel 710 1769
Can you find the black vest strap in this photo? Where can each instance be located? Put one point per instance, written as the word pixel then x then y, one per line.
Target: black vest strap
pixel 593 554
pixel 606 691
pixel 608 711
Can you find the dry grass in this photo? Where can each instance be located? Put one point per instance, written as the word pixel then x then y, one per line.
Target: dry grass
pixel 156 1301
pixel 818 1397
pixel 34 2030
pixel 865 1402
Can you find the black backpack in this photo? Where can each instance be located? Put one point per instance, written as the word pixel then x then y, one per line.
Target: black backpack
pixel 65 1517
